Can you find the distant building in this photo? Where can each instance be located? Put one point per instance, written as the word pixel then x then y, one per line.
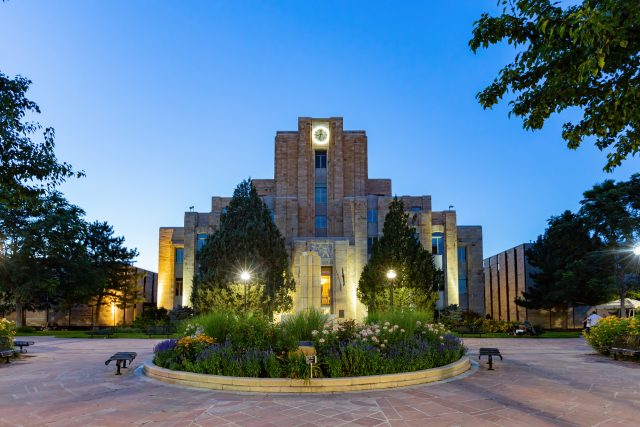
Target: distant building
pixel 109 314
pixel 329 212
pixel 506 276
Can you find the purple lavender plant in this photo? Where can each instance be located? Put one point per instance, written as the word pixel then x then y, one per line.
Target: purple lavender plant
pixel 165 345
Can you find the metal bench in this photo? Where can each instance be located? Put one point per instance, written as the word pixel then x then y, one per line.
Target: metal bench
pixel 490 352
pixel 7 354
pixel 628 345
pixel 23 344
pixel 107 332
pixel 121 359
pixel 469 330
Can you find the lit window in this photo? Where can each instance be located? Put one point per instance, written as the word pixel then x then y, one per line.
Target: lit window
pixel 321 159
pixel 325 283
pixel 179 287
pixel 179 255
pixel 321 194
pixel 372 216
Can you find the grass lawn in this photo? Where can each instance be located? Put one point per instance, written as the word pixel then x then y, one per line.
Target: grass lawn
pixel 545 334
pixel 83 334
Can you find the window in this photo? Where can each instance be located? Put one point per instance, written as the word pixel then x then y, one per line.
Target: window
pixel 416 209
pixel 179 255
pixel 462 254
pixel 462 286
pixel 179 287
pixel 437 243
pixel 372 216
pixel 321 221
pixel 370 242
pixel 202 239
pixel 321 159
pixel 416 234
pixel 272 215
pixel 321 194
pixel 225 210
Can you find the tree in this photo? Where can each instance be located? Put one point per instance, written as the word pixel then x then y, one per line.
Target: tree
pixel 585 56
pixel 398 249
pixel 27 168
pixel 113 262
pixel 612 212
pixel 569 268
pixel 247 239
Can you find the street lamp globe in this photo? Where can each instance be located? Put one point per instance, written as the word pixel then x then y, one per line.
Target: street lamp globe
pixel 636 249
pixel 245 275
pixel 391 274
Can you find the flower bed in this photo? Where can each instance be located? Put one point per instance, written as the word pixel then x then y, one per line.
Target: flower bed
pixel 254 347
pixel 608 330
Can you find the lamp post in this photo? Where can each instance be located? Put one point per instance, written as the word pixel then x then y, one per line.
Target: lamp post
pixel 391 275
pixel 636 249
pixel 245 276
pixel 113 311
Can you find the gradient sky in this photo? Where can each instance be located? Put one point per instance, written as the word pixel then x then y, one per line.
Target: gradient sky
pixel 166 103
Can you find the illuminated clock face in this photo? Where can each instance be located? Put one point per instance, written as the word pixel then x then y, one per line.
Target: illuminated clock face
pixel 320 135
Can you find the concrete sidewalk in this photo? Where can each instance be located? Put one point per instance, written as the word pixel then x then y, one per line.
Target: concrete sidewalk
pixel 64 382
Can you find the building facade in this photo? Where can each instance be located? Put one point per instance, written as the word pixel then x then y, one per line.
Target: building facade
pixel 506 276
pixel 329 212
pixel 108 315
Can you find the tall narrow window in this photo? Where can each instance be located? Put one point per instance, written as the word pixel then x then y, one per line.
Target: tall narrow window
pixel 178 286
pixel 179 255
pixel 202 239
pixel 321 194
pixel 321 159
pixel 437 243
pixel 372 216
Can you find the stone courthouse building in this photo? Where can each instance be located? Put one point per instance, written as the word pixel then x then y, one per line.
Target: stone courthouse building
pixel 329 212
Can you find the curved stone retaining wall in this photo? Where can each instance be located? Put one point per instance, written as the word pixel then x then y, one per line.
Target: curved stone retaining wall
pixel 316 385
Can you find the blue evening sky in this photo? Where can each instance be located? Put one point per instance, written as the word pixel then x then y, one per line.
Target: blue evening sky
pixel 166 103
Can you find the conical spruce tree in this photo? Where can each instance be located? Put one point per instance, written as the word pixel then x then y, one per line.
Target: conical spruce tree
pixel 247 240
pixel 414 287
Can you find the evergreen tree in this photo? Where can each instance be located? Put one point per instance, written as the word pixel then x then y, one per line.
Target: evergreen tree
pixel 398 249
pixel 569 267
pixel 249 240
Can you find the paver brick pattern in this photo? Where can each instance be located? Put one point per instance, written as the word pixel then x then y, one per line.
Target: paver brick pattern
pixel 541 382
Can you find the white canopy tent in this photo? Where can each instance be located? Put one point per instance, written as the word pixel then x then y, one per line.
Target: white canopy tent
pixel 630 304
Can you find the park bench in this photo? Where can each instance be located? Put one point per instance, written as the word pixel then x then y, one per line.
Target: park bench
pixel 105 332
pixel 121 359
pixel 627 345
pixel 166 330
pixel 7 354
pixel 469 330
pixel 490 352
pixel 23 344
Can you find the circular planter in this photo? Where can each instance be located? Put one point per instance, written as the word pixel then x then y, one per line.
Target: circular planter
pixel 315 385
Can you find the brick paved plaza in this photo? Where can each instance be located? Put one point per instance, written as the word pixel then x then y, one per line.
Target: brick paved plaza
pixel 64 382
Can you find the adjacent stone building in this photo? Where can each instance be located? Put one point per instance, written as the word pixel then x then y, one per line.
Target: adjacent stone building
pixel 506 276
pixel 329 212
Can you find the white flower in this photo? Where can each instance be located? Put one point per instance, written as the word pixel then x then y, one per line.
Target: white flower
pixel 321 340
pixel 386 323
pixel 314 333
pixel 382 345
pixel 402 330
pixel 325 332
pixel 441 337
pixel 418 323
pixel 384 328
pixel 374 339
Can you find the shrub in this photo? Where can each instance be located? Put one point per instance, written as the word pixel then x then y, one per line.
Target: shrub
pixel 151 316
pixel 406 320
pixel 26 329
pixel 603 335
pixel 300 325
